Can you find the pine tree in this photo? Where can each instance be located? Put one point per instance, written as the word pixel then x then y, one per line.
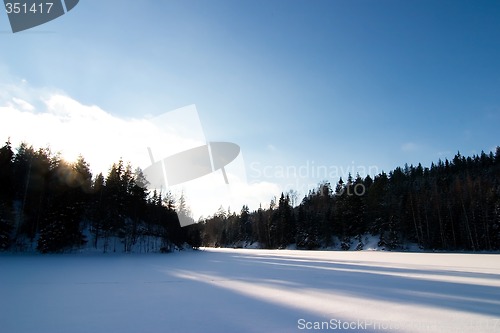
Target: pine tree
pixel 60 228
pixel 96 210
pixel 6 195
pixel 245 224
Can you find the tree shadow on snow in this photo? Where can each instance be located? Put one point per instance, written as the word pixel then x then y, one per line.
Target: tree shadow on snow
pixel 366 280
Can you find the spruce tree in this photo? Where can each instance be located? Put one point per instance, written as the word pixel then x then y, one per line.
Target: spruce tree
pixel 6 195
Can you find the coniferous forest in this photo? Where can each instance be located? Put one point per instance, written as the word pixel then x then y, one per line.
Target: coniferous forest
pixel 452 205
pixel 50 205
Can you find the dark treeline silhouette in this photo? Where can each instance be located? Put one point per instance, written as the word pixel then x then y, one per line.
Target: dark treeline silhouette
pixel 51 205
pixel 453 205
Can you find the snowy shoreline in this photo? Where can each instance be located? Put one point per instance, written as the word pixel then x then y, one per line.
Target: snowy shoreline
pixel 249 290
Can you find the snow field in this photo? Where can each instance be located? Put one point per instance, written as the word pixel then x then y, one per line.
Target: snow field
pixel 248 290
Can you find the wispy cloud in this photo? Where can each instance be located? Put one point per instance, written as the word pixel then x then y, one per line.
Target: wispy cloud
pixel 23 104
pixel 271 148
pixel 409 147
pixel 67 126
pixel 71 128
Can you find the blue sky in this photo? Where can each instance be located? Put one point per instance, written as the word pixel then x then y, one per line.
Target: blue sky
pixel 293 82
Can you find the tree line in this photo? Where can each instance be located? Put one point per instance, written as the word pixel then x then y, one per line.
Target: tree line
pixel 451 205
pixel 51 205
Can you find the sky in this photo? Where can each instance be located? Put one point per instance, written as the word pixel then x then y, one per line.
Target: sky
pixel 309 89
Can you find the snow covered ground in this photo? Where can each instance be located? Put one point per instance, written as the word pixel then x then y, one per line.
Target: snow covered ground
pixel 248 290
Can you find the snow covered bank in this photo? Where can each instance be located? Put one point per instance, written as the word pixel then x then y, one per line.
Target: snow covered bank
pixel 240 290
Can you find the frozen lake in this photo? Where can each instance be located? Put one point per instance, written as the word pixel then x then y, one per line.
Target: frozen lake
pixel 228 290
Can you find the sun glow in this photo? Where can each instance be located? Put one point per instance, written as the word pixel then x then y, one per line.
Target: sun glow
pixel 71 129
